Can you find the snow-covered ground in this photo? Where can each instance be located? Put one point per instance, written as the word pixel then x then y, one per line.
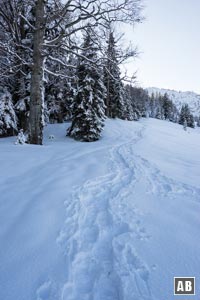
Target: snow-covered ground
pixel 112 220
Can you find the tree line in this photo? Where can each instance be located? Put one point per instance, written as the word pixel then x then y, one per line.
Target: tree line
pixel 45 66
pixel 61 61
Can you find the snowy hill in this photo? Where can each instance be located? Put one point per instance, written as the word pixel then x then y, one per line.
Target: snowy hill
pixel 112 220
pixel 179 98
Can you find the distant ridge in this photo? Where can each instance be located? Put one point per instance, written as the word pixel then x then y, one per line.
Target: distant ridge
pixel 179 98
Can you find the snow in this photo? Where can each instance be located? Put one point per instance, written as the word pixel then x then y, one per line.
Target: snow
pixel 179 98
pixel 8 118
pixel 116 219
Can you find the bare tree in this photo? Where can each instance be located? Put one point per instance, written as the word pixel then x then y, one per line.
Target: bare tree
pixel 37 88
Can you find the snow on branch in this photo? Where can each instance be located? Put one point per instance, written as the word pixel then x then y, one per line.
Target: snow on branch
pixel 61 62
pixel 57 74
pixel 93 11
pixel 27 21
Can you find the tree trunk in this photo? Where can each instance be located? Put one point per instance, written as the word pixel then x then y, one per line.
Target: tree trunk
pixel 108 99
pixel 36 93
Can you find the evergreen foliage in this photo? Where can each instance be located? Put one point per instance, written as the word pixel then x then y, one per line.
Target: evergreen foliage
pixel 161 107
pixel 168 108
pixel 8 119
pixel 16 57
pixel 139 101
pixel 21 138
pixel 186 116
pixel 198 121
pixel 89 109
pixel 116 106
pixel 185 125
pixel 133 109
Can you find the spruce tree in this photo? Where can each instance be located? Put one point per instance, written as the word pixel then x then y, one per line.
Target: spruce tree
pixel 59 89
pixel 152 106
pixel 191 122
pixel 59 94
pixel 185 125
pixel 89 108
pixel 159 114
pixel 140 102
pixel 116 106
pixel 186 116
pixel 198 121
pixel 132 111
pixel 167 107
pixel 16 54
pixel 8 119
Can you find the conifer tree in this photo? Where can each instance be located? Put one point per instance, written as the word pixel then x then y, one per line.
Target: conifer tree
pixel 8 119
pixel 185 125
pixel 159 114
pixel 186 116
pixel 132 107
pixel 128 112
pixel 21 138
pixel 152 106
pixel 167 107
pixel 191 122
pixel 116 105
pixel 59 94
pixel 16 18
pixel 198 121
pixel 89 108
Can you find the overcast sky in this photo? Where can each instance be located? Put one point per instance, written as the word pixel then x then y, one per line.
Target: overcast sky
pixel 169 45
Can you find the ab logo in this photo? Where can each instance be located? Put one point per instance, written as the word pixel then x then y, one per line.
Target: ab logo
pixel 184 285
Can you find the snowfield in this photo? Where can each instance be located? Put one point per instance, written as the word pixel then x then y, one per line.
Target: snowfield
pixel 115 219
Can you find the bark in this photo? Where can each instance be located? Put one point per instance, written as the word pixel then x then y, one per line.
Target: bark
pixel 36 93
pixel 108 99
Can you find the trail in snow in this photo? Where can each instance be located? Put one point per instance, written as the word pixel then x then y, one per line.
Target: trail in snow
pixel 131 223
pixel 103 222
pixel 102 260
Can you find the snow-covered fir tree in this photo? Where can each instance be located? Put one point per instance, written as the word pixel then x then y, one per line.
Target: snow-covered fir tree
pixel 60 79
pixel 159 113
pixel 128 113
pixel 16 54
pixel 139 100
pixel 132 108
pixel 198 121
pixel 186 116
pixel 152 106
pixel 60 92
pixel 8 119
pixel 185 125
pixel 21 138
pixel 89 108
pixel 116 106
pixel 167 108
pixel 161 107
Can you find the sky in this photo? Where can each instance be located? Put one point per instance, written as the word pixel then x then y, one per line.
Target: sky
pixel 169 45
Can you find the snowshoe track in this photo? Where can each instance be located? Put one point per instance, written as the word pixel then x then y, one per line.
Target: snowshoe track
pixel 103 222
pixel 102 260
